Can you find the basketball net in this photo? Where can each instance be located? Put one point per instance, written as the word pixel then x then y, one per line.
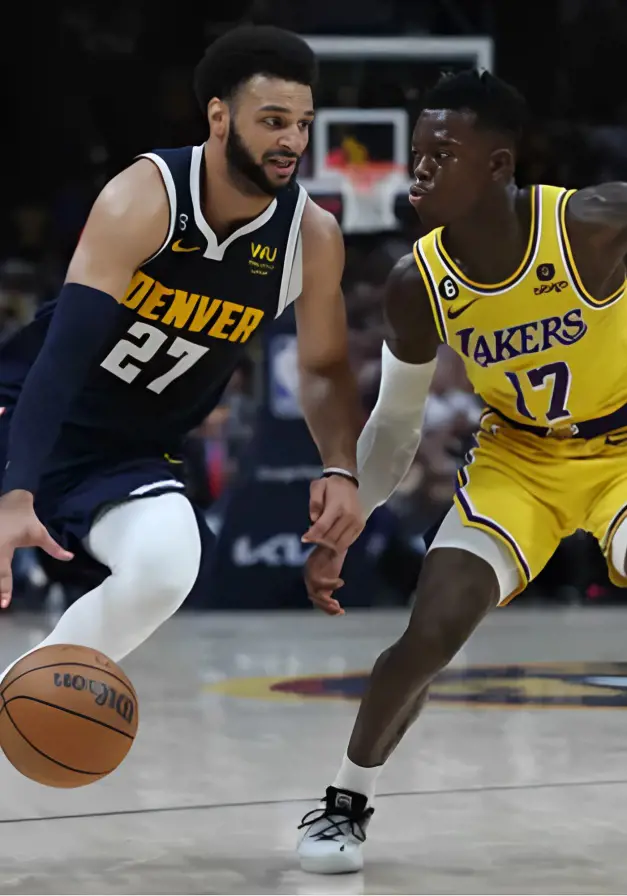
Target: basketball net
pixel 369 192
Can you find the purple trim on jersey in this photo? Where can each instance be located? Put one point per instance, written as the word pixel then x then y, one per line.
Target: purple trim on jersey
pixel 474 517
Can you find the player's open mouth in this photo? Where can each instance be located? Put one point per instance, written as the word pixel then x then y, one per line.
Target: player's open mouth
pixel 417 192
pixel 282 166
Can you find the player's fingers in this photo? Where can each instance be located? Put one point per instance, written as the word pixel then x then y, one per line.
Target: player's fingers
pixel 328 605
pixel 316 533
pixel 324 585
pixel 343 537
pixel 316 499
pixel 324 595
pixel 338 536
pixel 50 546
pixel 6 582
pixel 320 593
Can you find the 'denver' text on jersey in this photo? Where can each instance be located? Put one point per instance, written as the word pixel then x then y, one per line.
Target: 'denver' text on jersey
pixel 187 316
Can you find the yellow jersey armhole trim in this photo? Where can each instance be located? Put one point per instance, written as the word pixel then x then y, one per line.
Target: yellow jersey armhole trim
pixel 523 267
pixel 427 279
pixel 569 260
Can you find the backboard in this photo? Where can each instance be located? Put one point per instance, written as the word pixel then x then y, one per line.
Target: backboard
pixel 360 157
pixel 358 163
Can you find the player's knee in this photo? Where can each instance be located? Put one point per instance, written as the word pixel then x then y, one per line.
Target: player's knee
pixel 153 546
pixel 455 591
pixel 164 572
pixel 457 581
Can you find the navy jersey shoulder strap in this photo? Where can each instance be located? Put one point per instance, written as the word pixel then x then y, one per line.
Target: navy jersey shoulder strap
pixel 174 167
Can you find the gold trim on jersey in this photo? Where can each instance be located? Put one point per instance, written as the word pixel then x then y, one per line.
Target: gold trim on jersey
pixel 430 286
pixel 523 267
pixel 569 261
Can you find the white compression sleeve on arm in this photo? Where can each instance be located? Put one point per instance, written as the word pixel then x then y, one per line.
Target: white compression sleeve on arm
pixel 389 441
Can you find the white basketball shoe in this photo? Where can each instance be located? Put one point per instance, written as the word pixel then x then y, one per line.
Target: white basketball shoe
pixel 334 834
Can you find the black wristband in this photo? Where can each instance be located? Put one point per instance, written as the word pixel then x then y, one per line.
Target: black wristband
pixel 340 471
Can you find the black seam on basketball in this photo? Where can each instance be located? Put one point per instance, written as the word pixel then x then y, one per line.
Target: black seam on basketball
pixel 70 663
pixel 79 771
pixel 71 712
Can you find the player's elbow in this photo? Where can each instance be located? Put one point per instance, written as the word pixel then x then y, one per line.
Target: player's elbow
pixel 331 366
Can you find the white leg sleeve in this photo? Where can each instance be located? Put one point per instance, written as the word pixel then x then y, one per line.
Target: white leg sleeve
pixel 453 534
pixel 152 547
pixel 619 548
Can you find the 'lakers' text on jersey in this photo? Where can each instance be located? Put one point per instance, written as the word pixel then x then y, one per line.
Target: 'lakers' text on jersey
pixel 538 348
pixel 187 316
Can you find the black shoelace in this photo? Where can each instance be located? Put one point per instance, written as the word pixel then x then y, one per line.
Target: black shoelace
pixel 334 829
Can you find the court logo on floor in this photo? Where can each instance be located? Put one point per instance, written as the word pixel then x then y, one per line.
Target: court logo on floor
pixel 557 685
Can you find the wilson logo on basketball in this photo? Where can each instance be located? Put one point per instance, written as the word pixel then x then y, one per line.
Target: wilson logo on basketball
pixel 104 695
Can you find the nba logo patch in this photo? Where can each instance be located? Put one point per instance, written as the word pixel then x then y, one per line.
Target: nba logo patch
pixel 283 378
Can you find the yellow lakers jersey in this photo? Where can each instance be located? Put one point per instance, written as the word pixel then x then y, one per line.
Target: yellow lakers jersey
pixel 537 347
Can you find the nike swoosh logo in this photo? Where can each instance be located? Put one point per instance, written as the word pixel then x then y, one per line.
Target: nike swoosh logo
pixel 176 247
pixel 453 314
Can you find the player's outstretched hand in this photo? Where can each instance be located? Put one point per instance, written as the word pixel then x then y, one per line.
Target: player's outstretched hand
pixel 20 528
pixel 322 578
pixel 335 512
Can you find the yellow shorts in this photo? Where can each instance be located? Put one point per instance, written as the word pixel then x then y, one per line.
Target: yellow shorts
pixel 531 492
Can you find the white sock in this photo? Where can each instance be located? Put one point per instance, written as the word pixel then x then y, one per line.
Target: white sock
pixel 358 779
pixel 152 546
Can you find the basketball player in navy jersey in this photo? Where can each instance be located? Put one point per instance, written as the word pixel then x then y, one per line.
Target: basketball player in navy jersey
pixel 185 255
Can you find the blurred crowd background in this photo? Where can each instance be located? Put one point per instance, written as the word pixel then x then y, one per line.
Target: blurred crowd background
pixel 88 85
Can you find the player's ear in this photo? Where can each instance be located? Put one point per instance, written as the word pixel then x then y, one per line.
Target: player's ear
pixel 218 114
pixel 502 164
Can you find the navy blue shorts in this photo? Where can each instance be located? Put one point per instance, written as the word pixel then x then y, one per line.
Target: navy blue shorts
pixel 82 478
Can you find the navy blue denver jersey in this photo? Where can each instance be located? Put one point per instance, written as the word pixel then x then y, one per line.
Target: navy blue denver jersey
pixel 188 315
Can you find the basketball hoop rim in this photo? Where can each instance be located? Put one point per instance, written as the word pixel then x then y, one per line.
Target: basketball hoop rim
pixel 363 175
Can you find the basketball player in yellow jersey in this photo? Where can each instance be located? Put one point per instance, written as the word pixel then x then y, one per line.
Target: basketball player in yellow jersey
pixel 528 287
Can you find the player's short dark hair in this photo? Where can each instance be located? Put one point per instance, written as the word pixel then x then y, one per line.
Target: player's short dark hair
pixel 495 103
pixel 251 50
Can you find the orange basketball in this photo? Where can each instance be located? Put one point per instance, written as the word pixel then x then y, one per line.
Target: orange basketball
pixel 68 715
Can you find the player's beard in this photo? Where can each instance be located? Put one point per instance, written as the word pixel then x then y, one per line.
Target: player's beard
pixel 247 171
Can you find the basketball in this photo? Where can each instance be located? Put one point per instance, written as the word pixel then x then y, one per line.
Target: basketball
pixel 68 715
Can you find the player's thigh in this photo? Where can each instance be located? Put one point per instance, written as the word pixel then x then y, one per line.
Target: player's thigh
pixel 453 534
pixel 505 496
pixel 155 541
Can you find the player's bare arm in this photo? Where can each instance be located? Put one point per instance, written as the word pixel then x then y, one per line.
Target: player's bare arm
pixel 603 206
pixel 127 224
pixel 388 444
pixel 596 222
pixel 328 388
pixel 410 331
